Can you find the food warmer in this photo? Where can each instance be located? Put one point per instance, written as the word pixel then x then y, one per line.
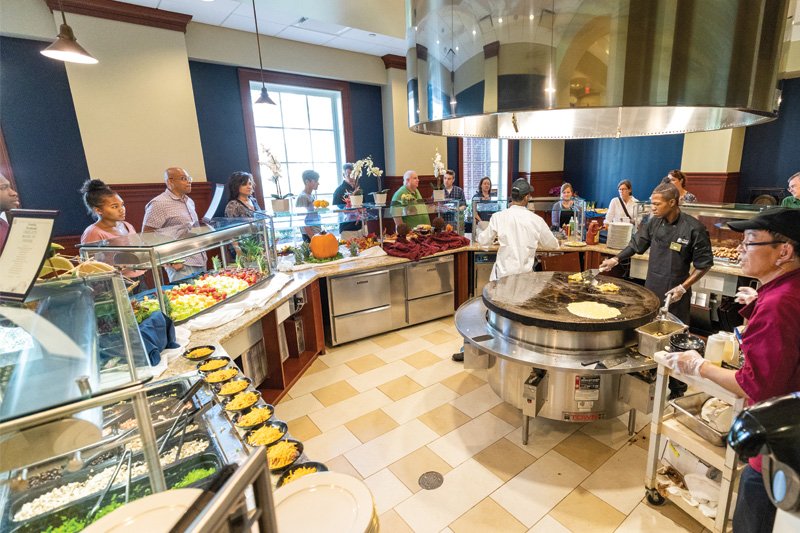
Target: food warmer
pixel 550 363
pixel 78 401
pixel 150 250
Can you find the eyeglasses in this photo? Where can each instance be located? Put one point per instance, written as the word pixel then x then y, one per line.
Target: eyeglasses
pixel 747 245
pixel 183 178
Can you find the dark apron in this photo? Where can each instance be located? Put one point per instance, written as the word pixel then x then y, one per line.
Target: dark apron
pixel 668 268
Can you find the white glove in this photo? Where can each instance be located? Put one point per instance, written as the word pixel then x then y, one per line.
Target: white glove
pixel 677 293
pixel 746 295
pixel 686 363
pixel 608 264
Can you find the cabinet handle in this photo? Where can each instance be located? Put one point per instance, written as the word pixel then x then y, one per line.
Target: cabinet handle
pixel 431 269
pixel 362 282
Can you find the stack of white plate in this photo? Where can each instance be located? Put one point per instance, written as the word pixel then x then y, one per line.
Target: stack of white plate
pixel 326 501
pixel 619 235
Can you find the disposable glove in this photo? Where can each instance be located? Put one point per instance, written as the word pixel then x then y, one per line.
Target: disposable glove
pixel 677 293
pixel 608 264
pixel 746 295
pixel 687 363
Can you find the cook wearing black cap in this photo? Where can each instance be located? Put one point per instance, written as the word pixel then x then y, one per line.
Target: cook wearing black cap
pixel 771 342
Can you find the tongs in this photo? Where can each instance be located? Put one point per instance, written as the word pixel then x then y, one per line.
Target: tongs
pixel 129 454
pixel 589 276
pixel 664 311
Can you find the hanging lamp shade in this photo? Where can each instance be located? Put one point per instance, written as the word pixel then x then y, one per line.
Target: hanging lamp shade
pixel 66 48
pixel 264 98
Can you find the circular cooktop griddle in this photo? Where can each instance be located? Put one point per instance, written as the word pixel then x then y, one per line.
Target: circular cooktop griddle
pixel 541 298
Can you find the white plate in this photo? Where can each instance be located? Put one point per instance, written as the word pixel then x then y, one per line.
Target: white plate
pixel 154 513
pixel 327 501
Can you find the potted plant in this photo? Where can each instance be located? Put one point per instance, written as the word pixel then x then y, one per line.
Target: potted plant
pixel 357 198
pixel 363 167
pixel 438 173
pixel 252 250
pixel 280 202
pixel 380 197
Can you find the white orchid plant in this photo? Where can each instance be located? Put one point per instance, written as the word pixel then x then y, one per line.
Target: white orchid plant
pixel 275 169
pixel 364 167
pixel 438 171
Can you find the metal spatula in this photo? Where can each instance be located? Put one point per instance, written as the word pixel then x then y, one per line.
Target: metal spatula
pixel 590 275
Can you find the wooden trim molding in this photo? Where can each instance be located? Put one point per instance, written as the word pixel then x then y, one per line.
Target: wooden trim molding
pixel 491 50
pixel 5 162
pixel 122 12
pixel 543 181
pixel 715 187
pixel 393 61
pixel 247 75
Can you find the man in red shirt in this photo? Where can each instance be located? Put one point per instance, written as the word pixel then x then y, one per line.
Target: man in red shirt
pixel 9 199
pixel 771 342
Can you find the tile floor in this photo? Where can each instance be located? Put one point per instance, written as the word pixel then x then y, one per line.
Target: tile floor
pixel 390 408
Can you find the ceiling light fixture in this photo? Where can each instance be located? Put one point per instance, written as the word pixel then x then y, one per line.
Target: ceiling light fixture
pixel 264 98
pixel 66 47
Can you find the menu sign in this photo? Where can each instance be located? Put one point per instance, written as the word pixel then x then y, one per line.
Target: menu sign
pixel 24 252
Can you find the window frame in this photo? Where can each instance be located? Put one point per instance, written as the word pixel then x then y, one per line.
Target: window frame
pixel 293 80
pixel 509 167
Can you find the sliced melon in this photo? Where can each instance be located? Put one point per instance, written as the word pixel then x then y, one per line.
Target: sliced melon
pixel 92 267
pixel 56 265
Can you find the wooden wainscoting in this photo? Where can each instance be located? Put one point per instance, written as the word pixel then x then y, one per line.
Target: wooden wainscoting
pixel 714 187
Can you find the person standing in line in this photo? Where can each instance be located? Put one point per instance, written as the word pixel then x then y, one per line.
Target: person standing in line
pixel 9 199
pixel 770 343
pixel 622 208
pixel 678 179
pixel 415 211
pixel 454 193
pixel 351 226
pixel 793 201
pixel 241 202
pixel 173 212
pixel 305 200
pixel 484 194
pixel 108 209
pixel 520 233
pixel 562 209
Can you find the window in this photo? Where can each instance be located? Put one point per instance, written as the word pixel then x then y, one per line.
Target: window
pixel 308 128
pixel 484 158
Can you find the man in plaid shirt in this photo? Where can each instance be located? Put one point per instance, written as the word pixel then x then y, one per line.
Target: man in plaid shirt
pixel 173 213
pixel 452 192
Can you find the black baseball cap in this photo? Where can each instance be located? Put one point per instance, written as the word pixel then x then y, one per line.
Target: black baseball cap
pixel 783 220
pixel 522 187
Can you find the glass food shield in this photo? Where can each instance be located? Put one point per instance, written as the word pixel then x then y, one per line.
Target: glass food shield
pixel 71 339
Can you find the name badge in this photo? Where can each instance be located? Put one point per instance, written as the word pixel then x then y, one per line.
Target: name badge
pixel 675 246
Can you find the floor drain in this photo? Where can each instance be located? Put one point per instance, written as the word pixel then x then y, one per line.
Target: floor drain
pixel 431 480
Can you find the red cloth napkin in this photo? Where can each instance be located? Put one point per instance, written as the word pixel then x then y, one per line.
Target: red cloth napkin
pixel 423 247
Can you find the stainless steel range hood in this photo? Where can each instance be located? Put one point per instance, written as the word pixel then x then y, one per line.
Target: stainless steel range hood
pixel 560 69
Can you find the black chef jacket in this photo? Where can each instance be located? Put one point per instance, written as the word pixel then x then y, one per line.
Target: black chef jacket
pixel 673 249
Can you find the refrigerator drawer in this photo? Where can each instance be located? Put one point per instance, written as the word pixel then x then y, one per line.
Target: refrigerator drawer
pixel 350 294
pixel 430 307
pixel 362 324
pixel 430 277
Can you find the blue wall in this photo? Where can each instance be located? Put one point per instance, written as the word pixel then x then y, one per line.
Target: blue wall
pixel 771 151
pixel 366 106
pixel 41 133
pixel 596 166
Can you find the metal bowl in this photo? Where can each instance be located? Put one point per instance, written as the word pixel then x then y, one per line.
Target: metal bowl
pixel 218 384
pixel 233 380
pixel 298 445
pixel 280 424
pixel 241 410
pixel 308 464
pixel 238 417
pixel 220 358
pixel 202 358
pixel 681 342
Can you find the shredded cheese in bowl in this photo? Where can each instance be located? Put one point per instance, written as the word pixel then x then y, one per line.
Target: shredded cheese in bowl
pixel 221 375
pixel 282 454
pixel 232 387
pixel 213 364
pixel 298 473
pixel 264 436
pixel 242 401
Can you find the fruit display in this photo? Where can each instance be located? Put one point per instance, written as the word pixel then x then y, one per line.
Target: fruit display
pixel 143 309
pixel 324 245
pixel 363 242
pixel 321 204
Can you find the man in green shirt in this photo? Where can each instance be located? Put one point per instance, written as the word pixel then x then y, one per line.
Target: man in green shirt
pixel 412 212
pixel 793 201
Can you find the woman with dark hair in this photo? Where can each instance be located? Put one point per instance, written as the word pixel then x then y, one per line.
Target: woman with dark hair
pixel 484 194
pixel 108 209
pixel 562 209
pixel 241 202
pixel 621 208
pixel 678 179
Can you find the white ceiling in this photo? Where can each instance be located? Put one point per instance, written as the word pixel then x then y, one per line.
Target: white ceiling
pixel 282 20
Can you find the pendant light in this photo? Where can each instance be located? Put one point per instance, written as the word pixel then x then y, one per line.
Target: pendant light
pixel 66 47
pixel 264 98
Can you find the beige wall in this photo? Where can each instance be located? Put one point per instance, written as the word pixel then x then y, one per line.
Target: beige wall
pixel 713 151
pixel 28 19
pixel 547 155
pixel 233 47
pixel 135 108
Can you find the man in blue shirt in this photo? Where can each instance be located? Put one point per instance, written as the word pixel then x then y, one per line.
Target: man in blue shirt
pixel 452 192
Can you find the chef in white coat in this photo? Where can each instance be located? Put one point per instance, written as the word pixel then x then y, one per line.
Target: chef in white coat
pixel 519 231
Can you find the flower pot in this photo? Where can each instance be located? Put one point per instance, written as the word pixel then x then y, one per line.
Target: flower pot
pixel 356 200
pixel 438 195
pixel 280 206
pixel 380 198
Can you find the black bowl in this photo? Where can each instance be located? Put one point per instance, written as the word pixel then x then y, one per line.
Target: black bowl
pixel 238 417
pixel 298 445
pixel 280 424
pixel 220 358
pixel 218 384
pixel 203 358
pixel 225 407
pixel 681 342
pixel 296 466
pixel 232 380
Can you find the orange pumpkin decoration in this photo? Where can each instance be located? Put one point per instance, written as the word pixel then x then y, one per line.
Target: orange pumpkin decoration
pixel 324 245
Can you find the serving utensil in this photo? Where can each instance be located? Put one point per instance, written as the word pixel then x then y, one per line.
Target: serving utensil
pixel 590 275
